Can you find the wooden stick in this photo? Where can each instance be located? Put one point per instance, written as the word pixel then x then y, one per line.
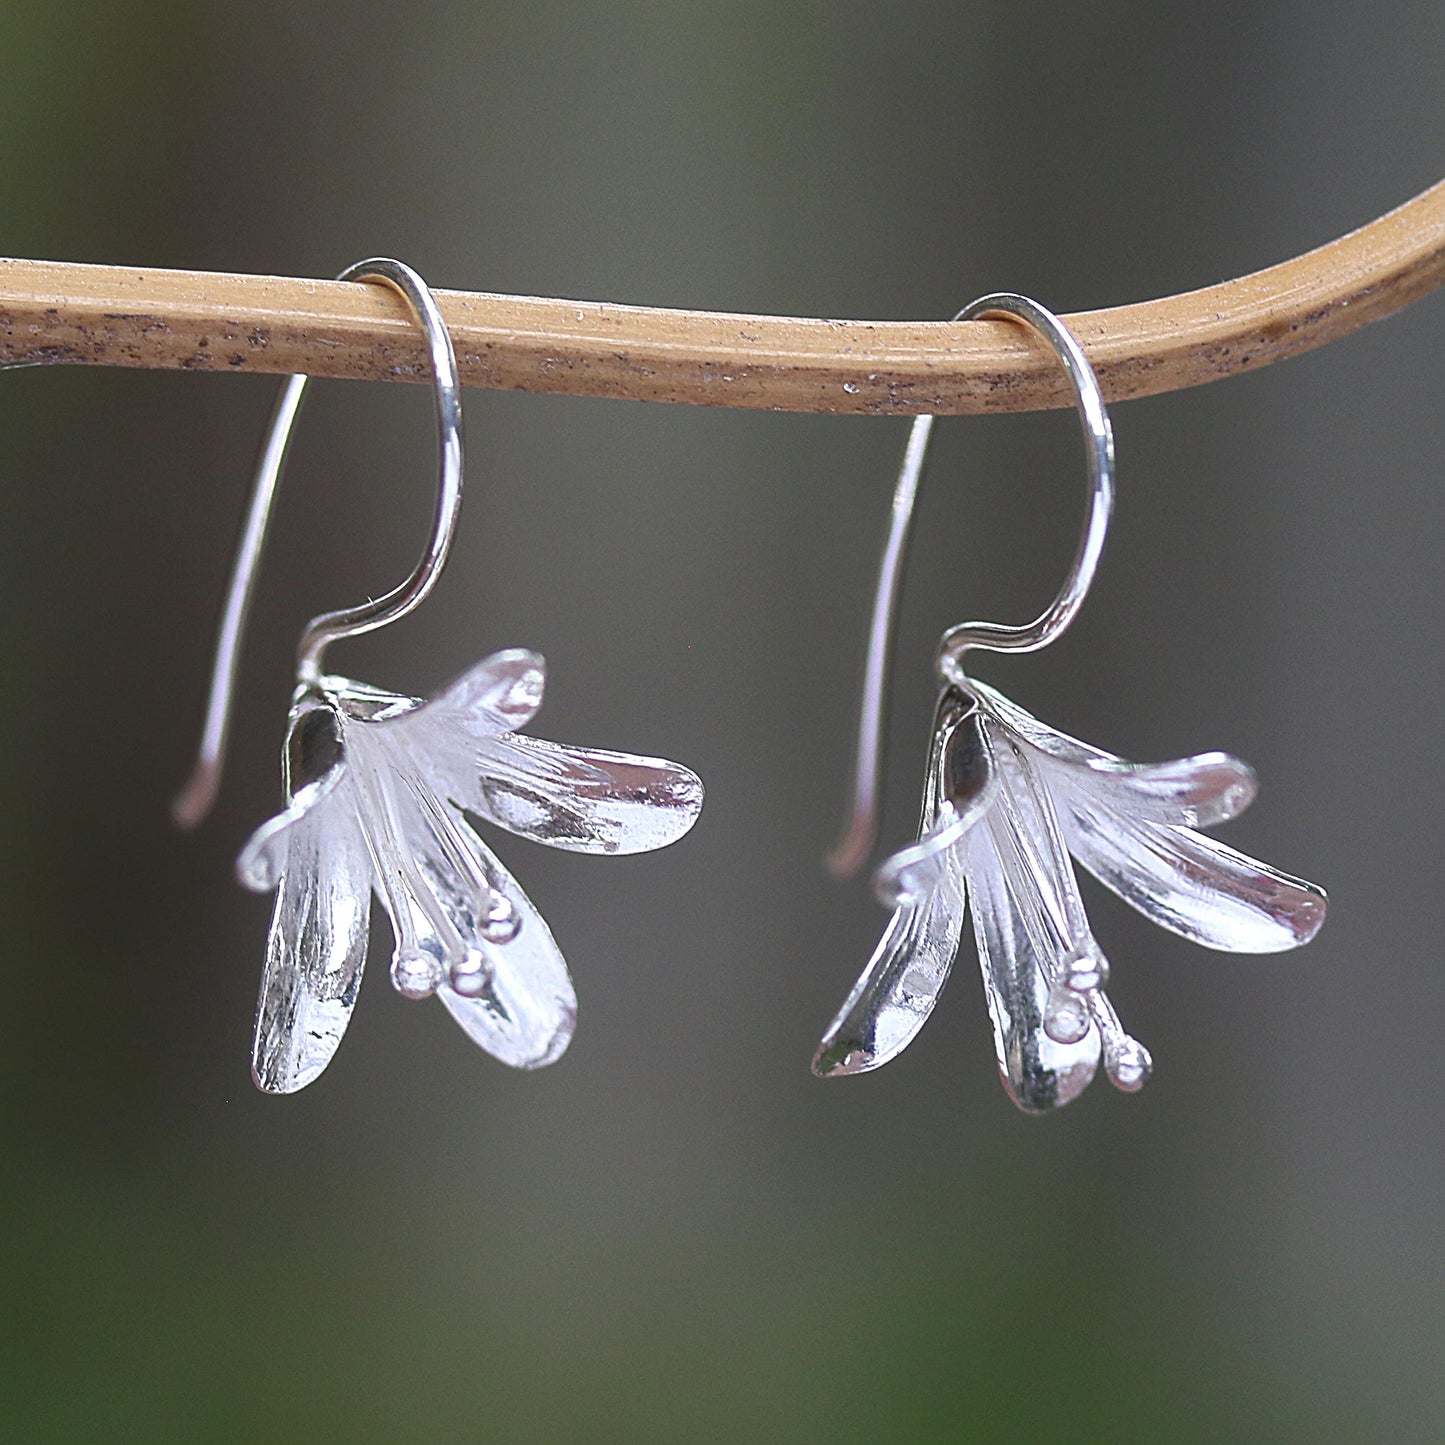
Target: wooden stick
pixel 57 312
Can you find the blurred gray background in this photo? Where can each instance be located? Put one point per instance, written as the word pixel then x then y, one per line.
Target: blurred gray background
pixel 676 1233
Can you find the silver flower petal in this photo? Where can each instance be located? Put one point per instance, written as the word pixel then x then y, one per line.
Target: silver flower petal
pixel 447 893
pixel 526 1014
pixel 519 1003
pixel 1190 884
pixel 314 954
pixel 584 800
pixel 898 989
pixel 499 694
pixel 1131 826
pixel 424 868
pixel 1029 927
pixel 1193 792
pixel 313 769
pixel 464 926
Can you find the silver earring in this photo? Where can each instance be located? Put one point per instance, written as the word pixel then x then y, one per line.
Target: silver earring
pixel 1006 800
pixel 381 790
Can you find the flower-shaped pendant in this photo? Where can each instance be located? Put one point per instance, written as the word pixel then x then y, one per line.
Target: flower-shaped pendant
pixel 380 793
pixel 1007 800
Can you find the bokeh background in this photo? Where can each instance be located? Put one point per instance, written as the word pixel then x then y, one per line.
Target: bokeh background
pixel 676 1233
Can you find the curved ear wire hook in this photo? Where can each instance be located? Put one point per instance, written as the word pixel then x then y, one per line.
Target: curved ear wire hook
pixel 861 828
pixel 196 798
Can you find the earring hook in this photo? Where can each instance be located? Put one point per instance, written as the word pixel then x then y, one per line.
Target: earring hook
pixel 861 828
pixel 196 798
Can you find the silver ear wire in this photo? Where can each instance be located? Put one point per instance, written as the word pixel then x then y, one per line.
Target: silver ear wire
pixel 196 798
pixel 861 829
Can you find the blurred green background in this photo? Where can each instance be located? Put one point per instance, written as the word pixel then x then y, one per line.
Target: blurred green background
pixel 676 1233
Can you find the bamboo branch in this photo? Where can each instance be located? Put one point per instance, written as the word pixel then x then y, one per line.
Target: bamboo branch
pixel 58 312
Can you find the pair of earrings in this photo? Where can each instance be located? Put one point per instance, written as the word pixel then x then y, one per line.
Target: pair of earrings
pixel 381 790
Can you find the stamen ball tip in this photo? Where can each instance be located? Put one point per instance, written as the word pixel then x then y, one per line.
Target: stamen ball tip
pixel 1085 972
pixel 1129 1066
pixel 502 923
pixel 470 975
pixel 414 974
pixel 1067 1019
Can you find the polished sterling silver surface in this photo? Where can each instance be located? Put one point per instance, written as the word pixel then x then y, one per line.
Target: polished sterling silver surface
pixel 900 985
pixel 1036 797
pixel 393 811
pixel 383 792
pixel 1009 803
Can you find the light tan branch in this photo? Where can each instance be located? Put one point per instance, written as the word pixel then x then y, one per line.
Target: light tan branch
pixel 57 312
